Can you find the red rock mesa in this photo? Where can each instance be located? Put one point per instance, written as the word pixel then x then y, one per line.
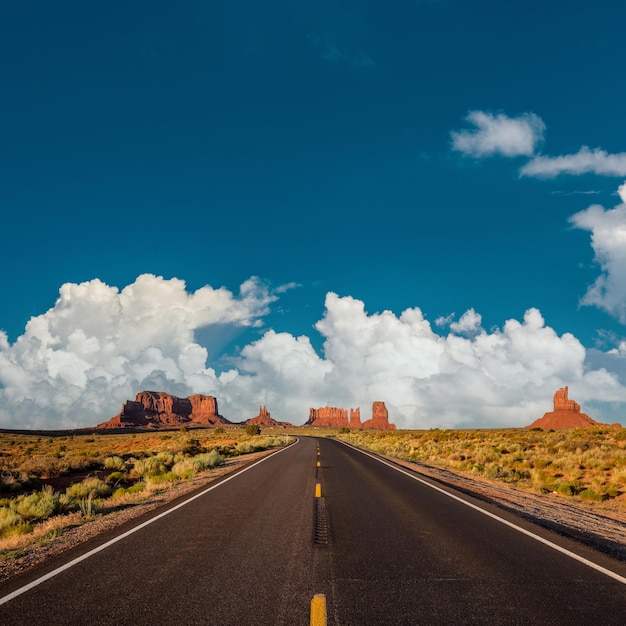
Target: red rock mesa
pixel 566 414
pixel 333 417
pixel 156 409
pixel 329 416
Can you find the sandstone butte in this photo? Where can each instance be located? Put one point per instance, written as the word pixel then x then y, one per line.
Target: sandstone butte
pixel 265 419
pixel 333 417
pixel 566 414
pixel 155 409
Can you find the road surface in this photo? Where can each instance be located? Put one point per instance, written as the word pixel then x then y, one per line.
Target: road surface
pixel 379 546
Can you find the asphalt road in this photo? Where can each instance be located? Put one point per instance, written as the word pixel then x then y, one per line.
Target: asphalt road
pixel 381 546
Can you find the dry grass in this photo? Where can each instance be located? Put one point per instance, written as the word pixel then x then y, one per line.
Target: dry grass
pixel 585 464
pixel 50 484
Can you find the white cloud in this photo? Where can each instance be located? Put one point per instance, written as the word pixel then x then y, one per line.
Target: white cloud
pixel 585 161
pixel 468 378
pixel 97 347
pixel 469 323
pixel 499 135
pixel 608 239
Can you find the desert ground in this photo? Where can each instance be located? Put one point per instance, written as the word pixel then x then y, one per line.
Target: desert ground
pixel 571 481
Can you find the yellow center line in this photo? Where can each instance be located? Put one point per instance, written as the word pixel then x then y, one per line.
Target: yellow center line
pixel 318 610
pixel 318 490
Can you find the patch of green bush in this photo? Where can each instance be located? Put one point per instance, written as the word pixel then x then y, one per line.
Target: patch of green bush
pixel 39 505
pixel 22 528
pixel 150 466
pixel 566 489
pixel 115 463
pixel 187 468
pixel 93 487
pixel 8 519
pixel 122 491
pixel 159 479
pixel 590 494
pixel 115 477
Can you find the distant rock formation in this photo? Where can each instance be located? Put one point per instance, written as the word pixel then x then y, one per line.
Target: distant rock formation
pixel 333 417
pixel 566 414
pixel 329 417
pixel 265 419
pixel 380 418
pixel 155 409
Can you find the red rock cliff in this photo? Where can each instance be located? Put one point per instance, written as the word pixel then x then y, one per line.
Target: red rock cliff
pixel 156 409
pixel 333 417
pixel 328 416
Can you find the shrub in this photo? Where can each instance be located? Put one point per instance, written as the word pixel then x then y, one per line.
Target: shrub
pixel 38 506
pixel 148 467
pixel 115 463
pixel 88 506
pixel 8 519
pixel 590 494
pixel 566 489
pixel 19 529
pixel 170 477
pixel 93 487
pixel 115 477
pixel 167 458
pixel 191 446
pixel 253 429
pixel 208 460
pixel 122 491
pixel 188 467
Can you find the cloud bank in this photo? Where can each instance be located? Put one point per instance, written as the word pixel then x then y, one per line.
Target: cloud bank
pixel 75 364
pixel 499 135
pixel 98 346
pixel 608 239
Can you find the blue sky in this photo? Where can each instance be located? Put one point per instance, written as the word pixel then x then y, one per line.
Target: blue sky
pixel 402 189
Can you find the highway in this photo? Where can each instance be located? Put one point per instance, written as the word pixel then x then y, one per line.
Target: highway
pixel 320 519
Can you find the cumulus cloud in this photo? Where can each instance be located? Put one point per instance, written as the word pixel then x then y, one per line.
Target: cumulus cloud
pixel 98 346
pixel 608 239
pixel 469 323
pixel 76 363
pixel 466 378
pixel 499 135
pixel 585 161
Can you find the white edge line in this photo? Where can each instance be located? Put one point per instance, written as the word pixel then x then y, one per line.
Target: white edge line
pixel 77 560
pixel 546 542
